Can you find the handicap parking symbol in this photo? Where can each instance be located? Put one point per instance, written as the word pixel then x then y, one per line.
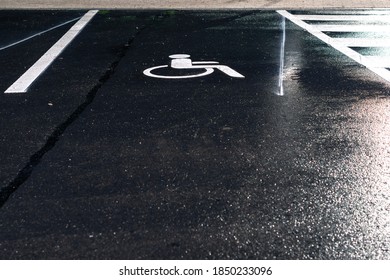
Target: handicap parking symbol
pixel 183 61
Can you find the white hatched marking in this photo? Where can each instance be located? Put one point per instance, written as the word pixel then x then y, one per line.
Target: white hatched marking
pixel 344 44
pixel 362 42
pixel 379 61
pixel 360 18
pixel 353 28
pixel 25 81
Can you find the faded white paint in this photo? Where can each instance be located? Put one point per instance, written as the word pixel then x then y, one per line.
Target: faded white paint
pixel 37 34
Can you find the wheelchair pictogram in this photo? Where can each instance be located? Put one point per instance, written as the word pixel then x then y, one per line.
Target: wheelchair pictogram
pixel 183 61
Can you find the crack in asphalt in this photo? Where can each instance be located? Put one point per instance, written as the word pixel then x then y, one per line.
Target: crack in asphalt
pixel 24 174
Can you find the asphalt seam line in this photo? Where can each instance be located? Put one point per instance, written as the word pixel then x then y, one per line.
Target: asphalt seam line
pixel 340 44
pixel 26 80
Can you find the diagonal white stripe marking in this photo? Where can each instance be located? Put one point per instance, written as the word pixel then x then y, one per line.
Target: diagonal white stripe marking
pixel 337 44
pixel 25 81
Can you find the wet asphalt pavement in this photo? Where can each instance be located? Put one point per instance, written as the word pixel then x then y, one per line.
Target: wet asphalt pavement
pixel 99 161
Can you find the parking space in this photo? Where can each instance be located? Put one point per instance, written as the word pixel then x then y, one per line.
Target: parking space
pixel 195 135
pixel 30 119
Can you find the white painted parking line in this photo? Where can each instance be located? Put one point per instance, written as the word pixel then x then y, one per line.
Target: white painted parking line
pixel 380 61
pixel 353 28
pixel 38 34
pixel 362 42
pixel 281 59
pixel 359 18
pixel 344 45
pixel 25 81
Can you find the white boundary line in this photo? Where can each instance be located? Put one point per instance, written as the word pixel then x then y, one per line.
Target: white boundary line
pixel 353 28
pixel 363 42
pixel 373 18
pixel 366 61
pixel 282 54
pixel 381 61
pixel 25 81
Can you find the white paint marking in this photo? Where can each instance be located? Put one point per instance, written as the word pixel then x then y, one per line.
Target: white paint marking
pixel 365 12
pixel 374 18
pixel 148 72
pixel 281 62
pixel 25 81
pixel 38 34
pixel 362 42
pixel 338 45
pixel 352 28
pixel 379 61
pixel 183 61
pixel 204 62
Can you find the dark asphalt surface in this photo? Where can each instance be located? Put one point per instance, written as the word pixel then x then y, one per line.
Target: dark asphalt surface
pixel 125 166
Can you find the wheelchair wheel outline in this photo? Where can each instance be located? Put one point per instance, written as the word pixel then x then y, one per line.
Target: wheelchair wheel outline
pixel 148 72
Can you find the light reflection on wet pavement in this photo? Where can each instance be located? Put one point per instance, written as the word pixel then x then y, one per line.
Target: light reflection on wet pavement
pixel 207 168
